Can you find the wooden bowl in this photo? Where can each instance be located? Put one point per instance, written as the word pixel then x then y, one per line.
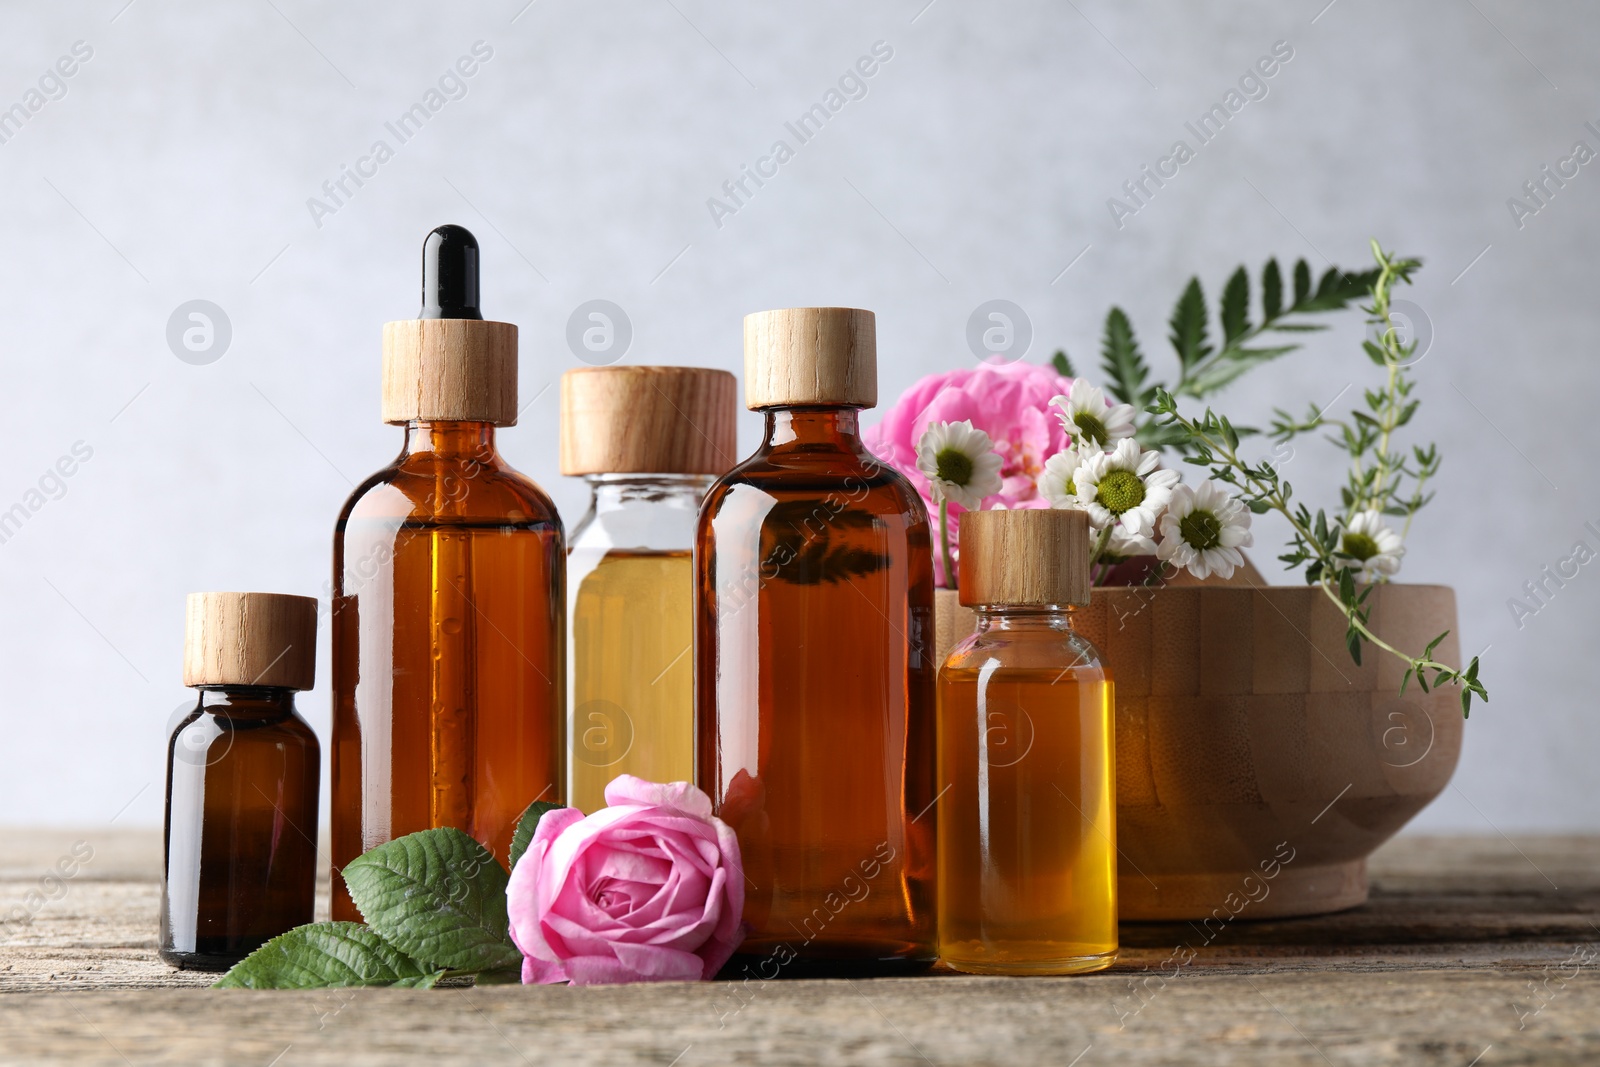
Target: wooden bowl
pixel 1249 742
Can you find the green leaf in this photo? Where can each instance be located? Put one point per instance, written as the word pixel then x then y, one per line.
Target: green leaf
pixel 527 823
pixel 1155 435
pixel 437 895
pixel 504 976
pixel 1123 363
pixel 1229 364
pixel 1188 324
pixel 1062 364
pixel 1302 282
pixel 1229 434
pixel 1235 305
pixel 327 954
pixel 1271 291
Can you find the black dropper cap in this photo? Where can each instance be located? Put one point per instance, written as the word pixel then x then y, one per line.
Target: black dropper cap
pixel 450 274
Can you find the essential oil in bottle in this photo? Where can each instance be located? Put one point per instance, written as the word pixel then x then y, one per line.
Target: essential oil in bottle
pixel 448 608
pixel 814 687
pixel 1027 827
pixel 243 770
pixel 648 440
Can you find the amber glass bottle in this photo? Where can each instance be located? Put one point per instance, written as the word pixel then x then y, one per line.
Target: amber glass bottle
pixel 648 440
pixel 1027 828
pixel 448 625
pixel 815 692
pixel 243 771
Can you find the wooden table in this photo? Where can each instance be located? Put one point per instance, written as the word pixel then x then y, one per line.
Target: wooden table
pixel 1473 950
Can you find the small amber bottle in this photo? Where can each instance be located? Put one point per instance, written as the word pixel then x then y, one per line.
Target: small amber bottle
pixel 448 600
pixel 648 440
pixel 1027 826
pixel 814 681
pixel 243 771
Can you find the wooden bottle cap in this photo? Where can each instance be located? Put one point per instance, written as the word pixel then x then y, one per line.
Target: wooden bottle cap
pixel 800 356
pixel 1024 557
pixel 450 370
pixel 648 420
pixel 265 639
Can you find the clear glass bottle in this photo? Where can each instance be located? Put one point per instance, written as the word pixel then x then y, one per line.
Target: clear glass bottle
pixel 449 604
pixel 814 682
pixel 243 771
pixel 1027 825
pixel 648 440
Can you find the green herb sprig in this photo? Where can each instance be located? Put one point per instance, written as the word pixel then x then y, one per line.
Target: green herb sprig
pixel 1377 474
pixel 1204 368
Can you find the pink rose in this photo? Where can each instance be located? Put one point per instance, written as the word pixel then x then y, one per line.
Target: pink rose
pixel 1008 401
pixel 648 889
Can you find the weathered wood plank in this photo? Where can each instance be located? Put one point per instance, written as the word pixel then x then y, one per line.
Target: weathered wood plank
pixel 1468 944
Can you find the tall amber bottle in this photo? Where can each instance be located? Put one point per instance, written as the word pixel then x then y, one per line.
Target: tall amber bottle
pixel 1027 825
pixel 649 441
pixel 814 687
pixel 448 622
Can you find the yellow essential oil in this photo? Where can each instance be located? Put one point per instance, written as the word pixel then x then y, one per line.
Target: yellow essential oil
pixel 633 672
pixel 1027 867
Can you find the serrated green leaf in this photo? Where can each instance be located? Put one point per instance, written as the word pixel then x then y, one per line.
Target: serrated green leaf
pixel 1229 364
pixel 320 955
pixel 1235 309
pixel 1330 281
pixel 1302 282
pixel 437 895
pixel 1271 291
pixel 1062 364
pixel 1188 324
pixel 527 823
pixel 1122 362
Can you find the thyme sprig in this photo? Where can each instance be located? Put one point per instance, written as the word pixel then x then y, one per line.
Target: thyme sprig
pixel 1377 475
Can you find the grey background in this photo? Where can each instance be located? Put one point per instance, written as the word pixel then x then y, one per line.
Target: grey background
pixel 178 164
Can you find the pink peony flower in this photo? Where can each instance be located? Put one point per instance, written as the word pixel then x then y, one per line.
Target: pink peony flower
pixel 648 889
pixel 1008 401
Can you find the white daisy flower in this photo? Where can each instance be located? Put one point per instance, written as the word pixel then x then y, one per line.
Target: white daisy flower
pixel 1056 482
pixel 1124 546
pixel 1203 530
pixel 1373 548
pixel 960 462
pixel 1127 487
pixel 1087 419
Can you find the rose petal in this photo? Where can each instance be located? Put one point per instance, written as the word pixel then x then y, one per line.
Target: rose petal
pixel 677 796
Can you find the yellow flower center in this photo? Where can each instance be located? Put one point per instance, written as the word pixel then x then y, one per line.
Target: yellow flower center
pixel 953 465
pixel 1091 429
pixel 1359 545
pixel 1119 491
pixel 1200 529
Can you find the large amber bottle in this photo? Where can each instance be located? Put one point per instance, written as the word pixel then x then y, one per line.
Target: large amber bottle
pixel 448 620
pixel 1027 825
pixel 814 687
pixel 649 441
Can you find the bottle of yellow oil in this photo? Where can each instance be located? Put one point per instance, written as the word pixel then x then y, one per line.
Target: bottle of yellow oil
pixel 1027 825
pixel 648 440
